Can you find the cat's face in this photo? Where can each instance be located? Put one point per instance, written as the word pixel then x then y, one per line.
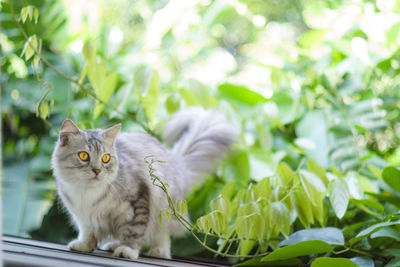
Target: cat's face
pixel 85 157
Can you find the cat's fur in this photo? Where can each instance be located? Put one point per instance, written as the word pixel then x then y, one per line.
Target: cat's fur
pixel 120 201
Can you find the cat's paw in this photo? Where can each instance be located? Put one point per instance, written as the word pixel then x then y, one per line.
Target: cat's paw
pixel 126 252
pixel 160 252
pixel 79 245
pixel 111 246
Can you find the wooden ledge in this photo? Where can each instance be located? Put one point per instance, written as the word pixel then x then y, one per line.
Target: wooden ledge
pixel 27 252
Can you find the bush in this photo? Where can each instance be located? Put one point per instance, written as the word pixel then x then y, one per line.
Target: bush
pixel 311 85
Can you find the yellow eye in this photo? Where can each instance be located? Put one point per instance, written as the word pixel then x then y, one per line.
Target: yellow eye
pixel 106 158
pixel 83 156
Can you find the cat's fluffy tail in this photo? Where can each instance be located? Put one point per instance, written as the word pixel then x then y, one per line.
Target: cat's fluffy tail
pixel 201 138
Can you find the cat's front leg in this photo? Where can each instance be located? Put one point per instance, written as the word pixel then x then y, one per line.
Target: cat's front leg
pixel 131 235
pixel 86 242
pixel 131 239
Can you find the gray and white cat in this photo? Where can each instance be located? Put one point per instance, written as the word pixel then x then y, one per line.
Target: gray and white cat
pixel 104 183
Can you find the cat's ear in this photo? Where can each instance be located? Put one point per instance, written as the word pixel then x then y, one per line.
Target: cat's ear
pixel 112 132
pixel 68 127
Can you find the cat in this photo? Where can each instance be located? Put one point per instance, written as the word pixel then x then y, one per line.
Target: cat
pixel 103 180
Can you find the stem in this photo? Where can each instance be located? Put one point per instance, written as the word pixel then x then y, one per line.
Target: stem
pixel 228 248
pixel 360 252
pixel 341 251
pixel 352 250
pixel 300 165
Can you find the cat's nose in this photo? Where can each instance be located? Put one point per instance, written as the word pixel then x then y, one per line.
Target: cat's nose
pixel 96 171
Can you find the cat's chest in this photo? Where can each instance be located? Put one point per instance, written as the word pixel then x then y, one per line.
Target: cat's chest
pixel 102 210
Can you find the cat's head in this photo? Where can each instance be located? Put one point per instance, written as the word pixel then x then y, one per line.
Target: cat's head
pixel 85 157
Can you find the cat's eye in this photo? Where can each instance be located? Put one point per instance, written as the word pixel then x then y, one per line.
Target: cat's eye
pixel 83 156
pixel 106 158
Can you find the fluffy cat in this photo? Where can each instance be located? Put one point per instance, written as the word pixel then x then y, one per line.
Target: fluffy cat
pixel 103 180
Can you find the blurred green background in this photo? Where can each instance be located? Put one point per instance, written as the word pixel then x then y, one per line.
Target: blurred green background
pixel 301 79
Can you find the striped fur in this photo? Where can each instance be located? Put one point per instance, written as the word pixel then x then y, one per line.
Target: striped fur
pixel 119 201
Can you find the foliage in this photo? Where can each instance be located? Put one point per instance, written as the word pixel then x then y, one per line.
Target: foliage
pixel 313 178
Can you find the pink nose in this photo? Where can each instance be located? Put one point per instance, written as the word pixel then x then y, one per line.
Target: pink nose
pixel 96 171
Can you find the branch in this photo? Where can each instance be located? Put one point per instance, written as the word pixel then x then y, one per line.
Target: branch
pixel 87 88
pixel 160 184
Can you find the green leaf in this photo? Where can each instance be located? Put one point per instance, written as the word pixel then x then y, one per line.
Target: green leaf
pixel 351 229
pixel 392 35
pixel 30 47
pixel 370 203
pixel 391 252
pixel 354 185
pixel 318 170
pixel 314 180
pixel 161 218
pixel 330 235
pixel 338 196
pixel 241 227
pixel 237 165
pixel 391 176
pixel 167 214
pixel 240 93
pixel 83 74
pixel 146 84
pixel 276 75
pixel 259 262
pixel 313 186
pixel 36 15
pixel 285 173
pixel 370 230
pixel 189 97
pixel 303 207
pixel 98 108
pixel 281 218
pixel 319 211
pixel 22 206
pixel 311 38
pixel 375 170
pixel 107 89
pixel 245 246
pixel 182 207
pixel 333 262
pixel 394 262
pixel 262 190
pixel 44 110
pixel 313 126
pixel 203 223
pixel 36 61
pixel 287 106
pixel 363 261
pixel 228 190
pixel 88 51
pixel 304 143
pixel 96 68
pixel 390 199
pixel 387 232
pixel 201 94
pixel 30 12
pixel 24 14
pixel 172 103
pixel 36 58
pixel 299 249
pixel 218 222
